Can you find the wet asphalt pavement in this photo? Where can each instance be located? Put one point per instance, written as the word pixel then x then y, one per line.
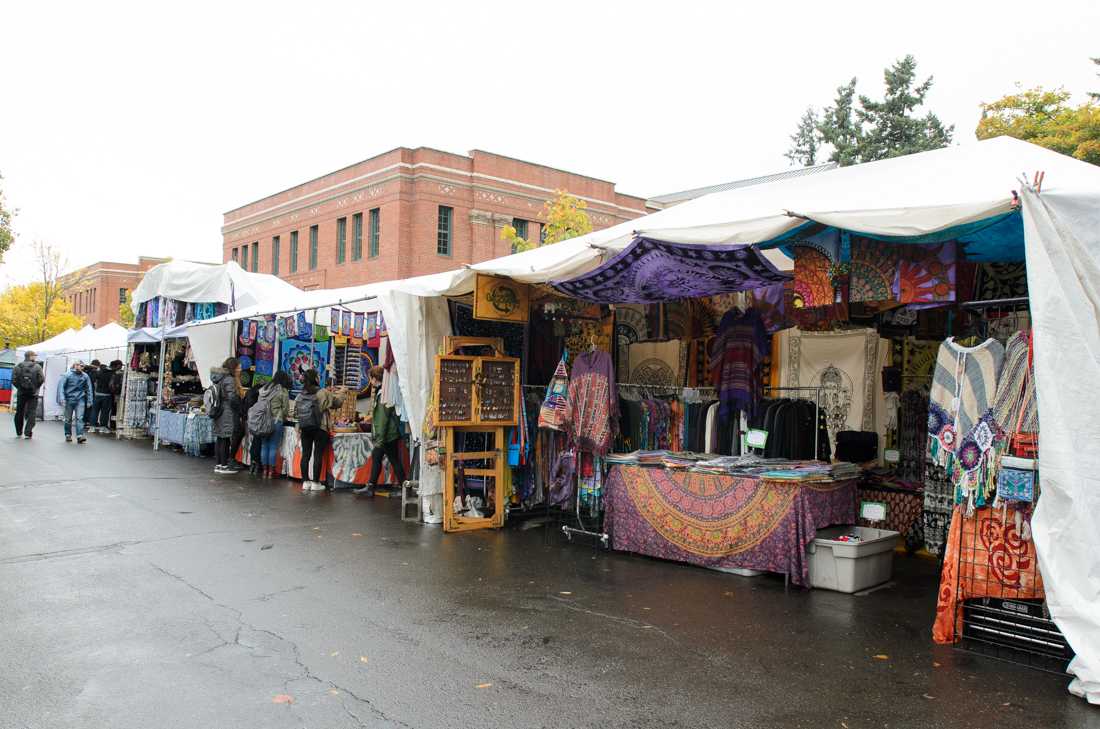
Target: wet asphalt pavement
pixel 140 590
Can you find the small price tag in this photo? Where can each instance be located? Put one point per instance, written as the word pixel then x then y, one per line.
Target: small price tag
pixel 872 510
pixel 756 438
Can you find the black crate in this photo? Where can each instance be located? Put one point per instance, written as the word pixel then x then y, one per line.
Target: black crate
pixel 1018 631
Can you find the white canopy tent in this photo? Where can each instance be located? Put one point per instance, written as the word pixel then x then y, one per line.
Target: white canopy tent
pixel 58 353
pixel 226 283
pixel 916 195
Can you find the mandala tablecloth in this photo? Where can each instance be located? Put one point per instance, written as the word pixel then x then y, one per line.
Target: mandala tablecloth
pixel 722 521
pixel 986 557
pixel 347 458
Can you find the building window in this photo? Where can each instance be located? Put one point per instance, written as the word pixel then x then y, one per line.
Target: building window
pixel 293 251
pixel 341 240
pixel 356 236
pixel 375 231
pixel 235 254
pixel 255 256
pixel 244 256
pixel 275 255
pixel 521 227
pixel 122 296
pixel 443 231
pixel 313 248
pixel 94 297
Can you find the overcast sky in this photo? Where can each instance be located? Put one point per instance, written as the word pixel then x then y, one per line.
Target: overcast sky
pixel 129 129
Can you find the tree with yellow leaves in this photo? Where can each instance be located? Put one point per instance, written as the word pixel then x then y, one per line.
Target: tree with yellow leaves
pixel 126 311
pixel 23 320
pixel 565 218
pixel 1045 117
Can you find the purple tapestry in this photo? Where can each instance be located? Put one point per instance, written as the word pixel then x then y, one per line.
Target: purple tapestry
pixel 721 521
pixel 651 271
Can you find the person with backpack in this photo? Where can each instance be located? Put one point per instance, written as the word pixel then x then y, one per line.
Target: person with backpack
pixel 102 402
pixel 385 434
pixel 223 406
pixel 265 423
pixel 74 391
pixel 313 409
pixel 92 371
pixel 26 379
pixel 117 380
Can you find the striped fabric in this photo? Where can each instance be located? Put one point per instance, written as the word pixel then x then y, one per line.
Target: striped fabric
pixel 1015 388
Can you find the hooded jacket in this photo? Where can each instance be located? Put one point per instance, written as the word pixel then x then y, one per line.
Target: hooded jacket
pixel 230 397
pixel 74 387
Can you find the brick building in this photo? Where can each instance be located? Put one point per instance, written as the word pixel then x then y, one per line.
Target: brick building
pixel 404 213
pixel 95 292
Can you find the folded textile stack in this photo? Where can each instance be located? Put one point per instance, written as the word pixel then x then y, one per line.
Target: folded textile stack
pixel 844 470
pixel 652 458
pixel 630 459
pixel 684 460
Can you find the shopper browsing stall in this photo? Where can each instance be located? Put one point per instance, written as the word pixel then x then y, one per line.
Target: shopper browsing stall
pixel 386 433
pixel 313 409
pixel 227 412
pixel 265 423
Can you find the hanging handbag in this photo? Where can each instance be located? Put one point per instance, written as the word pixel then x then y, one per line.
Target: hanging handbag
pixel 1016 479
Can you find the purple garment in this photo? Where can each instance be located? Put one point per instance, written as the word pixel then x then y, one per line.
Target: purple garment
pixel 591 414
pixel 649 271
pixel 736 357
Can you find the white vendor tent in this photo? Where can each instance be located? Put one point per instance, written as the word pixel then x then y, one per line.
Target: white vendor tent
pixel 920 197
pixel 58 353
pixel 226 283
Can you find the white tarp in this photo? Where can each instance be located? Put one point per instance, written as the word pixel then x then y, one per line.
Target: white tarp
pixel 88 343
pixel 210 345
pixel 1062 231
pixel 226 283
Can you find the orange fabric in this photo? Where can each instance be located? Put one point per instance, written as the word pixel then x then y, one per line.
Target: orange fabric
pixel 985 557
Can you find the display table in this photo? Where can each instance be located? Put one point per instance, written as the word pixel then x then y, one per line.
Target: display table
pixel 721 521
pixel 348 458
pixel 190 430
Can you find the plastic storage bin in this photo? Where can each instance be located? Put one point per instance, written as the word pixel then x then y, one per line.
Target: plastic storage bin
pixel 852 566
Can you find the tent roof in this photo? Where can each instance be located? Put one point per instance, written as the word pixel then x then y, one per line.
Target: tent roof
pixel 226 283
pixel 909 196
pixel 88 339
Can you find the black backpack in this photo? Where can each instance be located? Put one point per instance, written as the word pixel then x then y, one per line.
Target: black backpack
pixel 212 399
pixel 307 410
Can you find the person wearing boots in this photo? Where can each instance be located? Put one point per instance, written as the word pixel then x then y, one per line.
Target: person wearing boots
pixel 385 433
pixel 26 380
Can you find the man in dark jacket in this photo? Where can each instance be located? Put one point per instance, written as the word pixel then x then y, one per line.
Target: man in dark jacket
pixel 26 380
pixel 103 402
pixel 74 391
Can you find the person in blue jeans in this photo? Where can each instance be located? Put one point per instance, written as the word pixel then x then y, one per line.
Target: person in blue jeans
pixel 264 450
pixel 74 391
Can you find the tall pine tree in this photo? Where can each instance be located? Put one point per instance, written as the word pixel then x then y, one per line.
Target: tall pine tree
pixel 806 141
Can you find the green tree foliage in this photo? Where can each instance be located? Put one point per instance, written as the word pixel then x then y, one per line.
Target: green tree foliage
pixel 864 130
pixel 1045 118
pixel 1094 95
pixel 125 312
pixel 891 127
pixel 25 320
pixel 805 141
pixel 564 217
pixel 7 235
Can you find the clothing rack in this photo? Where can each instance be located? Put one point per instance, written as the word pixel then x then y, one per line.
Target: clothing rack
pixel 817 405
pixel 992 303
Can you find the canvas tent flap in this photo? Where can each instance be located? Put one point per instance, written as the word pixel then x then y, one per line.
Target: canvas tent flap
pixel 194 282
pixel 1062 231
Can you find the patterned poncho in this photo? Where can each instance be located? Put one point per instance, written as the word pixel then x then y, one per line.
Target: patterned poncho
pixel 961 428
pixel 591 412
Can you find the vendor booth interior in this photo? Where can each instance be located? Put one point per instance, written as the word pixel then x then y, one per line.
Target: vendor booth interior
pixel 796 378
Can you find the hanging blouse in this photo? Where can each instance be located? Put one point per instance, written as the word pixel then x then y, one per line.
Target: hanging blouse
pixel 591 412
pixel 961 428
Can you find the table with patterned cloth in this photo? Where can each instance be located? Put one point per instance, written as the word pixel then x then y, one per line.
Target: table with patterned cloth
pixel 721 521
pixel 348 458
pixel 171 425
pixel 904 509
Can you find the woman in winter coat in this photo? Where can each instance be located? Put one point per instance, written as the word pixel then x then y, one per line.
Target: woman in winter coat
pixel 265 448
pixel 228 421
pixel 313 409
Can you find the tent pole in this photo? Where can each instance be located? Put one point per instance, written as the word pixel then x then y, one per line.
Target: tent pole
pixel 160 389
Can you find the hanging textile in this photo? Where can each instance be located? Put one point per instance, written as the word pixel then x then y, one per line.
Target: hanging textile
pixel 771 303
pixel 961 428
pixel 814 260
pixel 846 365
pixel 657 363
pixel 650 271
pixel 630 326
pixel 265 352
pixel 552 412
pixel 736 358
pixel 1000 281
pixel 591 413
pixel 295 358
pixel 926 274
pixel 874 267
pixel 247 331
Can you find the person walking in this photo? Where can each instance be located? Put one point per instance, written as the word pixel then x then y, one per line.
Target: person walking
pixel 385 433
pixel 91 370
pixel 26 380
pixel 313 409
pixel 103 401
pixel 228 414
pixel 265 423
pixel 74 391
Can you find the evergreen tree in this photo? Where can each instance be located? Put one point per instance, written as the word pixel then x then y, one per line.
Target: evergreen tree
pixel 805 141
pixel 839 128
pixel 890 128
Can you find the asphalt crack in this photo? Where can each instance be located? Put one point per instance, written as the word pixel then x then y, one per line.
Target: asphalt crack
pixel 306 673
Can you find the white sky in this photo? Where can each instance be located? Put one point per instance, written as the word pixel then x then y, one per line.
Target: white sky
pixel 129 129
